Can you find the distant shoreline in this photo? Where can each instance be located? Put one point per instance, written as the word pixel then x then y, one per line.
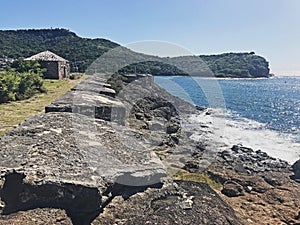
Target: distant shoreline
pixel 218 78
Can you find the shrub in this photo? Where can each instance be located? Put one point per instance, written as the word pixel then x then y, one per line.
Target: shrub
pixel 22 81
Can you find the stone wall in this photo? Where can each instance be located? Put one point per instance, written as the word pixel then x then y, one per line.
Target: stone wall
pixel 63 69
pixel 56 69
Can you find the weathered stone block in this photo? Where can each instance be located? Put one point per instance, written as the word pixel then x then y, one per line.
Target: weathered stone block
pixel 89 104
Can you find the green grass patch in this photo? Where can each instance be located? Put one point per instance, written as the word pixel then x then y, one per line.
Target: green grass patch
pixel 13 113
pixel 197 177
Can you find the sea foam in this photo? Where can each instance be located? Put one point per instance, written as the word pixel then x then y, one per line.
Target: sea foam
pixel 216 126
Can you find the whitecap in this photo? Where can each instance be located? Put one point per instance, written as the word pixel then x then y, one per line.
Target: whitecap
pixel 226 132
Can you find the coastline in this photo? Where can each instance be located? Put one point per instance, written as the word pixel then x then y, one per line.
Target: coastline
pixel 217 78
pixel 129 168
pixel 242 122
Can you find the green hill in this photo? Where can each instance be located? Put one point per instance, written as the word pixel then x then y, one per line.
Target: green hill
pixel 82 52
pixel 232 65
pixel 237 65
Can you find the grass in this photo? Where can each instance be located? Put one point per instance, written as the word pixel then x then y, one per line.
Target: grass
pixel 197 177
pixel 13 113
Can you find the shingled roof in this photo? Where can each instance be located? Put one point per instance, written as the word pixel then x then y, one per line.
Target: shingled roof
pixel 46 56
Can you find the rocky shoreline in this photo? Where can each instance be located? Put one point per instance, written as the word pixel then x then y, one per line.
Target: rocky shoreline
pixel 101 157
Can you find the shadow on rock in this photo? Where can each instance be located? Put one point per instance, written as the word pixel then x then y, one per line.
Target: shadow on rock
pixel 82 204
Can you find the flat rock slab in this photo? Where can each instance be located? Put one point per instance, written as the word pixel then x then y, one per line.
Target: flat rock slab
pixel 97 81
pixel 102 78
pixel 78 149
pixel 95 86
pixel 90 104
pixel 64 160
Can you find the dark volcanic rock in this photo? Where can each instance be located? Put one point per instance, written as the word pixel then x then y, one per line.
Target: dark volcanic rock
pixel 245 160
pixel 232 189
pixel 184 202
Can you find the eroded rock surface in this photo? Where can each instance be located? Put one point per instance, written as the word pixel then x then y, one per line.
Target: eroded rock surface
pixel 97 85
pixel 92 97
pixel 37 217
pixel 63 144
pixel 182 202
pixel 90 104
pixel 68 161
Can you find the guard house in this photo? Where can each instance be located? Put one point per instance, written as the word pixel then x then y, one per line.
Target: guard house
pixel 57 67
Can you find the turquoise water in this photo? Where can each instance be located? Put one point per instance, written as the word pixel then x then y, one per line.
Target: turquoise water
pixel 274 102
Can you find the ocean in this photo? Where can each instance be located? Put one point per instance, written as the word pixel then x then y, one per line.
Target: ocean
pixel 258 113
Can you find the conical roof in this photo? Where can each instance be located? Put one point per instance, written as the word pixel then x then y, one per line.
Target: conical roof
pixel 46 56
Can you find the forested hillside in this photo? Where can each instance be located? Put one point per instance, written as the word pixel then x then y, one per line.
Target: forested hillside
pixel 81 52
pixel 234 65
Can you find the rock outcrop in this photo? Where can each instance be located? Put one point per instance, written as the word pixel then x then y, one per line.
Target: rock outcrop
pixel 256 185
pixel 232 189
pixel 97 157
pixel 80 158
pixel 89 104
pixel 68 161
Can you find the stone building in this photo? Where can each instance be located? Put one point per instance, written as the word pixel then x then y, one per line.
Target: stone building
pixel 57 67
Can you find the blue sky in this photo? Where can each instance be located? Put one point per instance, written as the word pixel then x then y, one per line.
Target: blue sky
pixel 271 28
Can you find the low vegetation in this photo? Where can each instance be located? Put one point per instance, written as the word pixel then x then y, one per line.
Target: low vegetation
pixel 13 113
pixel 21 81
pixel 197 177
pixel 117 82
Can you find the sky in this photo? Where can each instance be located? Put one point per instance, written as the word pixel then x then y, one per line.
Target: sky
pixel 270 28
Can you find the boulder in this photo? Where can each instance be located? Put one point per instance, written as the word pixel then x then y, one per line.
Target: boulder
pixel 173 126
pixel 232 189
